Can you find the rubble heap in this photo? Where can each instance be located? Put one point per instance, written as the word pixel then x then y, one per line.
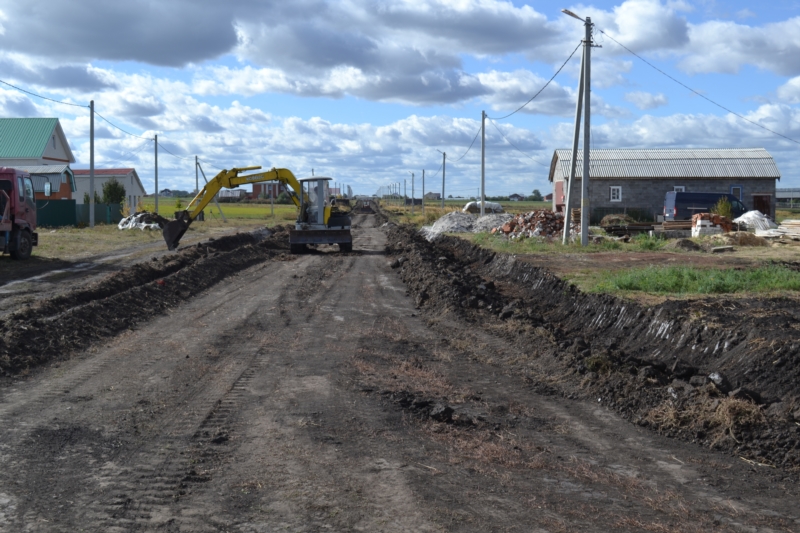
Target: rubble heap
pixel 541 223
pixel 716 221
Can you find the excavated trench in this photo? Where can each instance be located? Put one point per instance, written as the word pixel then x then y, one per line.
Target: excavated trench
pixel 55 327
pixel 720 372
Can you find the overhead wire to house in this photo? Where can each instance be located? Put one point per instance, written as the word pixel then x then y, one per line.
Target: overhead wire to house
pixel 515 146
pixel 697 92
pixel 40 96
pixel 127 157
pixel 120 129
pixel 470 147
pixel 543 87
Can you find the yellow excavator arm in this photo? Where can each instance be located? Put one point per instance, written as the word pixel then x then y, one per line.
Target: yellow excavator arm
pixel 228 179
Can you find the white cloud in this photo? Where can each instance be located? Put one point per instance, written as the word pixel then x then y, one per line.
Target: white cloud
pixel 789 92
pixel 644 100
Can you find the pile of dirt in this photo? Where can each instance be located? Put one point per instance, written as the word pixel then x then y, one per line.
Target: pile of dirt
pixel 620 219
pixel 55 327
pixel 682 244
pixel 722 373
pixel 453 222
pixel 740 238
pixel 487 223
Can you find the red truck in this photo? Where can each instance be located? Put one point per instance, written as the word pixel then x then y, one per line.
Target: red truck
pixel 17 214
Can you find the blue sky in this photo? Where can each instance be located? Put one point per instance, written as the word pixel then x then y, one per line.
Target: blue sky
pixel 366 91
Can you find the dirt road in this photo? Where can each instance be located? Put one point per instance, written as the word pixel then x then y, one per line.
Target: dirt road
pixel 311 394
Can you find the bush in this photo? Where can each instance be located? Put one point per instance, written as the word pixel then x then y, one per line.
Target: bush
pixel 723 208
pixel 283 198
pixel 113 192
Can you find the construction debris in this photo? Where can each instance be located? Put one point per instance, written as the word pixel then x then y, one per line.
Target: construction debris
pixel 453 222
pixel 475 207
pixel 487 223
pixel 143 220
pixel 755 220
pixel 543 223
pixel 710 224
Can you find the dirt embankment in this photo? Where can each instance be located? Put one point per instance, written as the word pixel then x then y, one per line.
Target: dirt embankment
pixel 653 364
pixel 57 326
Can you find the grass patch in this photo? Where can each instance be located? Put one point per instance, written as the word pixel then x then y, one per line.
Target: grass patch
pixel 688 280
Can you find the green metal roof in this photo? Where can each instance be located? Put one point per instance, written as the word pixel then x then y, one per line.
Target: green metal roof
pixel 25 138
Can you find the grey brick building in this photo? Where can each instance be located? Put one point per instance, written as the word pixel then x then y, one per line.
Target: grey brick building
pixel 635 181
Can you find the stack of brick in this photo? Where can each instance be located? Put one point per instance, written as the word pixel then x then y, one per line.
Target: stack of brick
pixel 710 224
pixel 543 223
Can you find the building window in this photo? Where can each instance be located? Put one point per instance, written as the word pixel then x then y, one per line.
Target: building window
pixel 736 190
pixel 616 194
pixel 679 188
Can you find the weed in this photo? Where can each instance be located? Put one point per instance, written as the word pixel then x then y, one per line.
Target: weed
pixel 646 243
pixel 598 364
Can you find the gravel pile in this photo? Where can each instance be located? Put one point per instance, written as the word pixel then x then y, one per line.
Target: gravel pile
pixel 487 223
pixel 453 222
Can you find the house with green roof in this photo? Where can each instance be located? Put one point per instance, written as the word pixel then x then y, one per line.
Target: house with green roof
pixel 33 143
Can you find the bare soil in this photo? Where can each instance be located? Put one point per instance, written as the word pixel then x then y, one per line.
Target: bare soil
pixel 255 391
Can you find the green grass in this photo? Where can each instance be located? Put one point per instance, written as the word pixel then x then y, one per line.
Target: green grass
pixel 691 280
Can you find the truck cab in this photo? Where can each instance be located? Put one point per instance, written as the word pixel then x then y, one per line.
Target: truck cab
pixel 17 214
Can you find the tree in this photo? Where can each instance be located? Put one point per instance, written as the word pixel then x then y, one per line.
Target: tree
pixel 283 198
pixel 113 192
pixel 536 196
pixel 87 201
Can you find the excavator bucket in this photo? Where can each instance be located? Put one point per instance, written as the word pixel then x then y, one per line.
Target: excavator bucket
pixel 175 229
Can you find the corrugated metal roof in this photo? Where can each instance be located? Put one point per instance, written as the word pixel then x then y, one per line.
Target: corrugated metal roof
pixel 25 138
pixel 689 163
pixel 53 173
pixel 103 171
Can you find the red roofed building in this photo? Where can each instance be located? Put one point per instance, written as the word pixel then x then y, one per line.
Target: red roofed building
pixel 128 177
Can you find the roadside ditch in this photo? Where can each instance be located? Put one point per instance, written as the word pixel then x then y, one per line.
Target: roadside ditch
pixel 719 372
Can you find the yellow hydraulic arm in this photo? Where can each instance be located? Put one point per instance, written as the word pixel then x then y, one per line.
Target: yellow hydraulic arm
pixel 228 179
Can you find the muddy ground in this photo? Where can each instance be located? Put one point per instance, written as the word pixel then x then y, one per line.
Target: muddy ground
pixel 403 387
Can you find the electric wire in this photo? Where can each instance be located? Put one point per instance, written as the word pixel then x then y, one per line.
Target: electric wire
pixel 120 129
pixel 543 87
pixel 468 149
pixel 697 92
pixel 173 155
pixel 40 96
pixel 129 156
pixel 515 146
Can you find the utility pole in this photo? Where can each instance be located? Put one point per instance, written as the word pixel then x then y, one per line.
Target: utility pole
pixel 405 189
pixel 423 191
pixel 585 207
pixel 444 171
pixel 156 149
pixel 412 193
pixel 483 161
pixel 91 164
pixel 574 158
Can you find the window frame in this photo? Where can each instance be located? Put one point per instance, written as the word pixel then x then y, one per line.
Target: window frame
pixel 618 190
pixel 679 188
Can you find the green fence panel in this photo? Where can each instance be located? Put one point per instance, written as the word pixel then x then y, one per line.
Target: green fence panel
pixel 102 214
pixel 114 213
pixel 55 213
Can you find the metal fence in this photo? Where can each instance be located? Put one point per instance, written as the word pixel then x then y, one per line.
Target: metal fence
pixel 55 213
pixel 103 213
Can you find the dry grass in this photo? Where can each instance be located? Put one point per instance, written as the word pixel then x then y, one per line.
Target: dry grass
pixel 721 419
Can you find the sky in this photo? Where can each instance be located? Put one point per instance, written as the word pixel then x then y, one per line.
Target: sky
pixel 368 92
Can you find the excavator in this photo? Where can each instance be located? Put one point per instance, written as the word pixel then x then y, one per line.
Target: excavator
pixel 318 222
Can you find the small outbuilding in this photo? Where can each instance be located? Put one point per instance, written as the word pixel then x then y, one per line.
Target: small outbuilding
pixel 635 181
pixel 134 190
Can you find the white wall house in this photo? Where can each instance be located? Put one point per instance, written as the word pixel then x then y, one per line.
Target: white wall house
pixel 134 191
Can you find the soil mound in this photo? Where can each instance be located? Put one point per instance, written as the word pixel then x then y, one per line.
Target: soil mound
pixel 617 220
pixel 55 327
pixel 682 244
pixel 724 374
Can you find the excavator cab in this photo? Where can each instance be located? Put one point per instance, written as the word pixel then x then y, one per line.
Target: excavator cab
pixel 318 221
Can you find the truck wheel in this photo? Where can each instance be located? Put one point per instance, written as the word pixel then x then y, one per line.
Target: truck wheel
pixel 25 247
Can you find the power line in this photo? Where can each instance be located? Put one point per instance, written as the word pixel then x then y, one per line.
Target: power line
pixel 130 154
pixel 40 96
pixel 515 146
pixel 698 93
pixel 120 129
pixel 543 87
pixel 468 149
pixel 173 155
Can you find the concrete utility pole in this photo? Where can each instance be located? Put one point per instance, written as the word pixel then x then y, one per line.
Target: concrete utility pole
pixel 196 178
pixel 412 192
pixel 587 113
pixel 423 191
pixel 156 149
pixel 444 170
pixel 91 164
pixel 574 158
pixel 483 162
pixel 584 91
